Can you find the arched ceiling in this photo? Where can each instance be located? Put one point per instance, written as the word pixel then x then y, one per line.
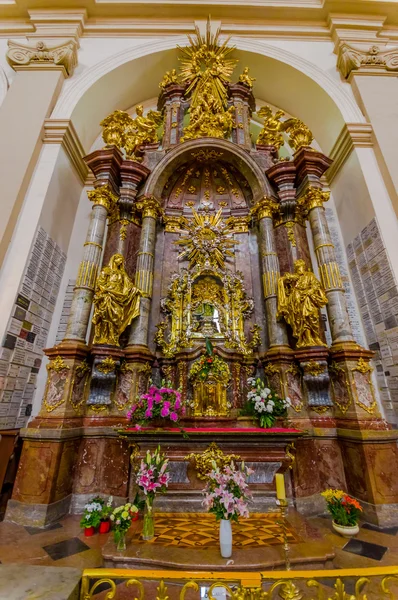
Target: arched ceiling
pixel 276 82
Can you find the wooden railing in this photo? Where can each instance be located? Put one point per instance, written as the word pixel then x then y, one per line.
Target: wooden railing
pixel 346 584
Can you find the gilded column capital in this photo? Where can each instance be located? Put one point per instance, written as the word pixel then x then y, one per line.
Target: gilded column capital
pixel 62 57
pixel 102 196
pixel 369 61
pixel 266 208
pixel 313 198
pixel 149 207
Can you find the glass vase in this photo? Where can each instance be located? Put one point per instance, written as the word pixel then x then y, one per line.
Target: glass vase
pixel 148 528
pixel 120 539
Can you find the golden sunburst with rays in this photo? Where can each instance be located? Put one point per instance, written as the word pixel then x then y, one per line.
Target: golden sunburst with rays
pixel 205 61
pixel 206 240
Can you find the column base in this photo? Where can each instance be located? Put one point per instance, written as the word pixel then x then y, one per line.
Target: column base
pixel 37 515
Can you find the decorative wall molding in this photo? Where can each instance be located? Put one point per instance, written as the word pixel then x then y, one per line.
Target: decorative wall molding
pixel 62 131
pixel 352 135
pixel 58 24
pixel 365 62
pixel 62 57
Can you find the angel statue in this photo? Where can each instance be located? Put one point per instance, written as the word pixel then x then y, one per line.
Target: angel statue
pixel 143 130
pixel 270 135
pixel 116 302
pixel 300 296
pixel 246 78
pixel 168 78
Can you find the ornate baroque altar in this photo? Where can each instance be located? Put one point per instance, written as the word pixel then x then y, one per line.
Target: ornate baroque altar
pixel 198 233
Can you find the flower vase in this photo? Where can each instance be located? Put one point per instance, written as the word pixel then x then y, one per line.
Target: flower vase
pixel 89 531
pixel 148 528
pixel 225 538
pixel 346 530
pixel 104 526
pixel 120 539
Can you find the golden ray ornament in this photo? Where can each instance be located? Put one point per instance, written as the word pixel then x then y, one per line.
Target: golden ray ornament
pixel 205 61
pixel 206 240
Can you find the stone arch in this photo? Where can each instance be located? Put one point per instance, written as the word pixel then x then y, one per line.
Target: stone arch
pixel 230 152
pixel 102 87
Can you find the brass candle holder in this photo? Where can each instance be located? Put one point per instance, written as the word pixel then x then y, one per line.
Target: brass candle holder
pixel 283 506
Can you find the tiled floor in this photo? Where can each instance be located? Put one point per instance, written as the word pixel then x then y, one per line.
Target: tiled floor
pixel 65 545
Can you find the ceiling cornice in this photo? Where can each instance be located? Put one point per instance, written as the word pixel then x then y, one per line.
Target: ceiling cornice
pixel 353 21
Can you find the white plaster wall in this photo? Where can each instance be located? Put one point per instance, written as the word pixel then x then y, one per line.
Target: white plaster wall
pixel 74 255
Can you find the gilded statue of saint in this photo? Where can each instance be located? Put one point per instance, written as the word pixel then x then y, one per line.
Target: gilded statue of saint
pixel 116 302
pixel 300 296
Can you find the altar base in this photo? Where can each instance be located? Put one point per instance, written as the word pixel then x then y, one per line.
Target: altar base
pixel 190 543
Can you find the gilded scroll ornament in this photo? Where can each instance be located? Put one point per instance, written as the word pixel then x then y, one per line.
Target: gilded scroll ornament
pixel 57 364
pixel 107 365
pixel 64 56
pixel 54 394
pixel 207 240
pixel 212 454
pixel 168 78
pixel 116 302
pixel 299 134
pixel 271 133
pixel 289 225
pixel 247 79
pixel 103 196
pixel 313 368
pixel 300 296
pixel 114 128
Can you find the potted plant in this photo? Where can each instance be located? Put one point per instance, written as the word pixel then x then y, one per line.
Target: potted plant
pixel 345 512
pixel 157 406
pixel 264 404
pixel 226 495
pixel 152 477
pixel 91 517
pixel 121 519
pixel 105 523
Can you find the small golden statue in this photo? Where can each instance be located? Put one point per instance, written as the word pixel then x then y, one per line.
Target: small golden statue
pixel 246 78
pixel 271 135
pixel 116 302
pixel 168 78
pixel 300 296
pixel 142 130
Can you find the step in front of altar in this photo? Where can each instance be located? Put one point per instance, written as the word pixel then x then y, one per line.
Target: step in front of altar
pixel 189 541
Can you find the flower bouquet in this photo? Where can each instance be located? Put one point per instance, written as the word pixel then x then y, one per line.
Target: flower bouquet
pixel 226 495
pixel 264 404
pixel 209 364
pixel 156 404
pixel 91 516
pixel 121 520
pixel 152 477
pixel 345 511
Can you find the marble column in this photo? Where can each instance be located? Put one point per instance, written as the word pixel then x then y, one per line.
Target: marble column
pixel 103 200
pixel 340 326
pixel 241 98
pixel 270 271
pixel 150 210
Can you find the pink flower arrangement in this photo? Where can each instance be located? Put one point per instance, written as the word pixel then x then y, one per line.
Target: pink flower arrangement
pixel 157 403
pixel 227 492
pixel 153 475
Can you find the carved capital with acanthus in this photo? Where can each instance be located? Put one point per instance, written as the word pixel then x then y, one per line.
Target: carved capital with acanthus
pixel 368 61
pixel 266 208
pixel 102 196
pixel 63 57
pixel 149 207
pixel 313 198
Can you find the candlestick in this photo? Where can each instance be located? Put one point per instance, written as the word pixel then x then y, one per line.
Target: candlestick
pixel 280 486
pixel 283 504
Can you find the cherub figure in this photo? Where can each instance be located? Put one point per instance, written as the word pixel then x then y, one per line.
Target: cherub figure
pixel 143 130
pixel 270 135
pixel 246 78
pixel 169 78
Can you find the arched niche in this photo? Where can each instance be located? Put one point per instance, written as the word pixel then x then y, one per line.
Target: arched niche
pixel 215 149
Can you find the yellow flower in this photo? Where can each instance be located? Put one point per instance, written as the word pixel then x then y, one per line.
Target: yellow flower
pixel 330 495
pixel 125 514
pixel 134 509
